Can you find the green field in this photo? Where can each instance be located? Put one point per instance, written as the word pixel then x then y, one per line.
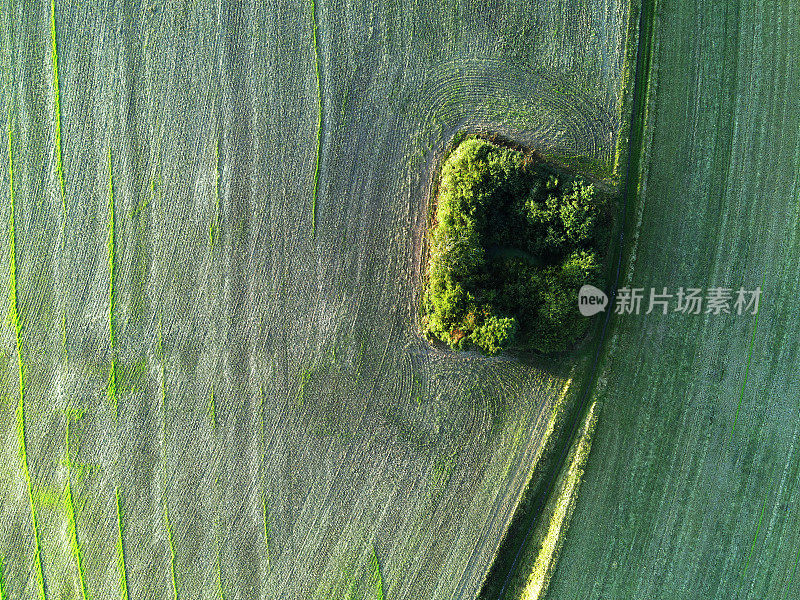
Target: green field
pixel 691 488
pixel 214 383
pixel 213 377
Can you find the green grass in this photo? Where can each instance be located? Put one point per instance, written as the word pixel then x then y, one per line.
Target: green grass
pixel 305 378
pixel 52 498
pixel 318 154
pixel 375 575
pixel 16 321
pixel 123 572
pixel 540 551
pixel 171 541
pixel 691 442
pixel 73 529
pixel 2 581
pixel 279 299
pixel 57 111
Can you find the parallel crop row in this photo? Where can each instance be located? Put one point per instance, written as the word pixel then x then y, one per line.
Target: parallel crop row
pixel 123 573
pixel 318 157
pixel 15 319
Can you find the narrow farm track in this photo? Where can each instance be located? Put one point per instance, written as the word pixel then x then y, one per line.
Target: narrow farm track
pixel 338 433
pixel 676 500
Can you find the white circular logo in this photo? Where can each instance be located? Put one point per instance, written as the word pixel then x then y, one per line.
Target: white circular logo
pixel 591 300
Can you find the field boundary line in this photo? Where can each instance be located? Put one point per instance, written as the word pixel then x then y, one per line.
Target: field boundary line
pixel 23 448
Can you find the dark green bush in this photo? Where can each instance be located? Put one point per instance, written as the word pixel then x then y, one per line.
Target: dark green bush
pixel 512 241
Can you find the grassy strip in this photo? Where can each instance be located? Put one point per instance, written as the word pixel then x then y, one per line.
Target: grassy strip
pixel 220 591
pixel 2 581
pixel 305 377
pixel 57 110
pixel 112 375
pixel 112 385
pixel 625 99
pixel 375 575
pixel 541 550
pixel 171 552
pixel 641 93
pixel 212 411
pixel 73 530
pixel 12 292
pixel 319 119
pixel 123 573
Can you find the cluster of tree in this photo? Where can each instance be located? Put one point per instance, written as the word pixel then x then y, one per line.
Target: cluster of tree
pixel 512 242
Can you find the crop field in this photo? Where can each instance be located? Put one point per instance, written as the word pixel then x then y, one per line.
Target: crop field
pixel 213 379
pixel 692 487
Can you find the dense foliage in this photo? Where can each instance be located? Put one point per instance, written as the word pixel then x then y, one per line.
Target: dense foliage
pixel 512 242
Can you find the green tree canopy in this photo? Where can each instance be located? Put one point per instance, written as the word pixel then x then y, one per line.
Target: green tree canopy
pixel 512 241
